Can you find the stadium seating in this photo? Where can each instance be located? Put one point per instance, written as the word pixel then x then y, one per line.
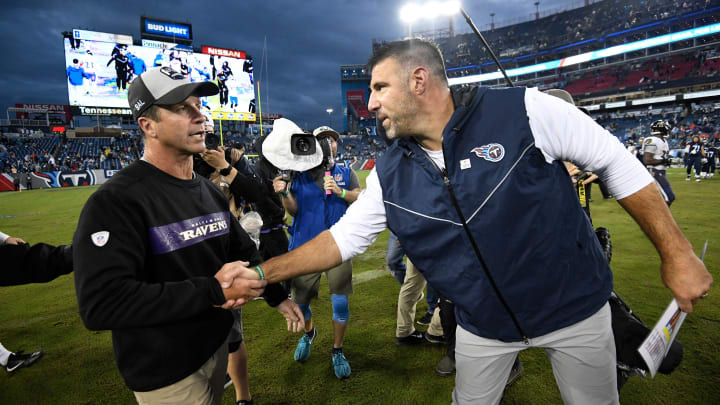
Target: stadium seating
pixel 598 25
pixel 569 32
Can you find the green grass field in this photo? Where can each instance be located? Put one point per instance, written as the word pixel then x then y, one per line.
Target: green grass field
pixel 78 367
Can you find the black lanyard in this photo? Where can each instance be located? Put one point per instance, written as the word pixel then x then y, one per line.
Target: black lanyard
pixel 448 185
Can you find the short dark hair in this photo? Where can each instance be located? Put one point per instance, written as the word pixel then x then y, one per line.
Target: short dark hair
pixel 151 113
pixel 413 51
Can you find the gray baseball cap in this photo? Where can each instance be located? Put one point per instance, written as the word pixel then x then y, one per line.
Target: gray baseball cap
pixel 326 131
pixel 164 86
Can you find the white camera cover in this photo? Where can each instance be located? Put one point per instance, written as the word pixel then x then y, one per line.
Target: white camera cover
pixel 276 148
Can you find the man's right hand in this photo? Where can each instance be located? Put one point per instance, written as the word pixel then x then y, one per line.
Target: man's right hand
pixel 239 283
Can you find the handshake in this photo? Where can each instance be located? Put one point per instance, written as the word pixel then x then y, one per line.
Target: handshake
pixel 241 285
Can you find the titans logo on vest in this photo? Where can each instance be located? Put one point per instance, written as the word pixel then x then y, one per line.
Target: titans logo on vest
pixel 493 152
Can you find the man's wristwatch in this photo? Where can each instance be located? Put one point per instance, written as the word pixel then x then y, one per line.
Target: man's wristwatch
pixel 226 171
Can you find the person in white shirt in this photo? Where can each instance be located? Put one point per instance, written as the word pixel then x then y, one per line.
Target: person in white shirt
pixel 489 163
pixel 655 156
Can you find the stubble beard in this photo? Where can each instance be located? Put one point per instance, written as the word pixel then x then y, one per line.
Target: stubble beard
pixel 401 126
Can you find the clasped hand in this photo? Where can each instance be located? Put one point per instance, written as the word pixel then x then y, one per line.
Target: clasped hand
pixel 239 283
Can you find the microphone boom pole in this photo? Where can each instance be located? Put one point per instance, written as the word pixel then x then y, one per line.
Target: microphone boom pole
pixel 486 45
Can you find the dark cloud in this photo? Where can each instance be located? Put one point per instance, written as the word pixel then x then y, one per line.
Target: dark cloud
pixel 307 41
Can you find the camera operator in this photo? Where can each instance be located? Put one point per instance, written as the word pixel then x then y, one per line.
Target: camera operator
pixel 317 200
pixel 228 169
pixel 273 239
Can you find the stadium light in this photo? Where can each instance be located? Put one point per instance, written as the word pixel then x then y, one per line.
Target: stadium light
pixel 412 12
pixel 330 111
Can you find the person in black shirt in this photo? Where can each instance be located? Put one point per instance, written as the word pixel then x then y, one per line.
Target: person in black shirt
pixel 248 68
pixel 122 67
pixel 24 264
pixel 158 256
pixel 222 77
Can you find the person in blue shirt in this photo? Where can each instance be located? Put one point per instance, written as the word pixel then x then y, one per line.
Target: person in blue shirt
pixel 137 65
pixel 76 75
pixel 316 199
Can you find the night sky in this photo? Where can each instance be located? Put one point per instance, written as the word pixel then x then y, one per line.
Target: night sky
pixel 307 41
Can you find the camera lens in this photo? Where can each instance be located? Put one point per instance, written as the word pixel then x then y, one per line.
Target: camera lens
pixel 303 145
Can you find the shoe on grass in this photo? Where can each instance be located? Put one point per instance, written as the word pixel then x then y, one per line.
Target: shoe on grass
pixel 434 339
pixel 341 365
pixel 425 320
pixel 414 338
pixel 302 352
pixel 446 367
pixel 19 360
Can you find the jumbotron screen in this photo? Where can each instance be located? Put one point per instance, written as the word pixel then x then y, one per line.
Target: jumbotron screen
pixel 99 74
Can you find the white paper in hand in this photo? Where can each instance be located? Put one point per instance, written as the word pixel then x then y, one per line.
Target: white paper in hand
pixel 656 346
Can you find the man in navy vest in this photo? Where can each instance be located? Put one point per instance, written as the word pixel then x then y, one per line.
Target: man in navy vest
pixel 316 199
pixel 475 189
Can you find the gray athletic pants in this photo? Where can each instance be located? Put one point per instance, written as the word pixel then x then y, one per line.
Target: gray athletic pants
pixel 582 357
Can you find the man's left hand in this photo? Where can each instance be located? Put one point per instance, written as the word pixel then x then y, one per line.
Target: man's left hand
pixel 688 279
pixel 293 315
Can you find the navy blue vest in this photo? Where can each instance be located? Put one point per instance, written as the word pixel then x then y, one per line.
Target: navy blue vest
pixel 316 211
pixel 540 248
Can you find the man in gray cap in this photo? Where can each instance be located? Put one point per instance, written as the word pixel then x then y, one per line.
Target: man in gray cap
pixel 153 254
